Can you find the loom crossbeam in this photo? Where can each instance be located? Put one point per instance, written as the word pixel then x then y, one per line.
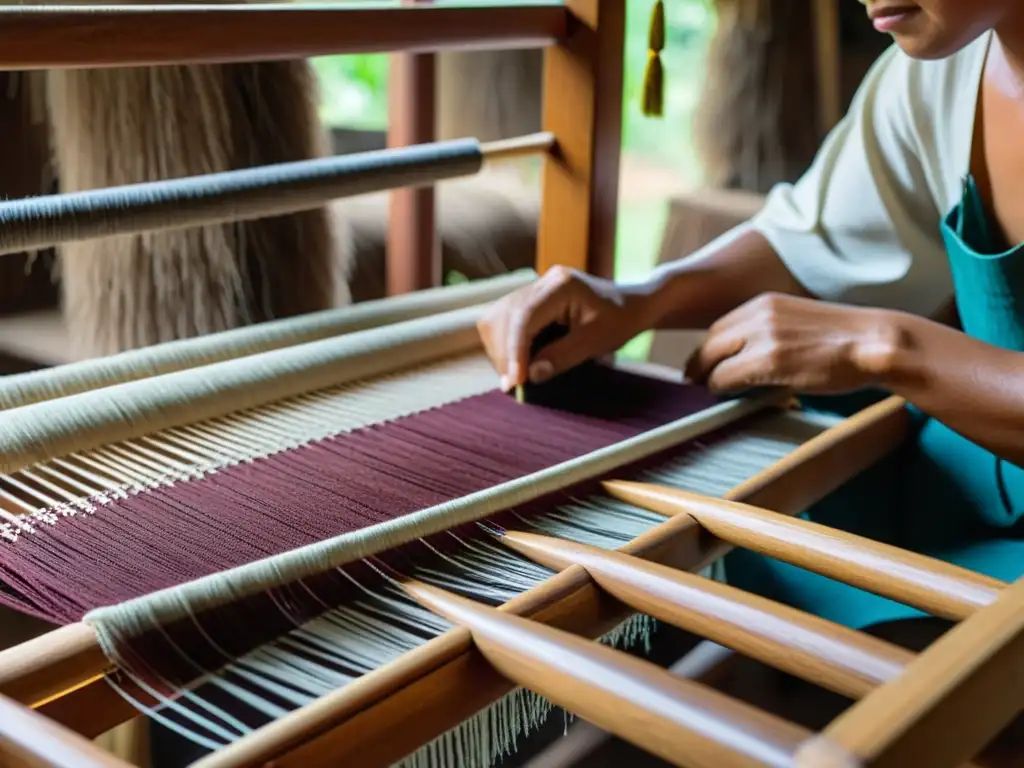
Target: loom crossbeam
pixel 72 37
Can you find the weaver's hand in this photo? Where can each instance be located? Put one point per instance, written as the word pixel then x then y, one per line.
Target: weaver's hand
pixel 601 317
pixel 798 344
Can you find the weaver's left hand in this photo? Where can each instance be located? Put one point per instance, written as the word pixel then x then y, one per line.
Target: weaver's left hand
pixel 797 344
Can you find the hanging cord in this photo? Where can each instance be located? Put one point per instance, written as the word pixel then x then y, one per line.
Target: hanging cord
pixel 654 74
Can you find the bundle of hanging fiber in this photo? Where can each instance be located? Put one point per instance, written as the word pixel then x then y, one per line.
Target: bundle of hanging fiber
pixel 230 528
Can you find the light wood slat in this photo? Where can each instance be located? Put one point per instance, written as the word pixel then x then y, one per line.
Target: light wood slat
pixel 680 721
pixel 57 37
pixel 583 107
pixel 940 588
pixel 951 701
pixel 837 658
pixel 29 740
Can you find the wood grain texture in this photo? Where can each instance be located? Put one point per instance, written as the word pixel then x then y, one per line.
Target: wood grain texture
pixel 29 740
pixel 53 37
pixel 681 721
pixel 843 660
pixel 942 589
pixel 950 702
pixel 583 83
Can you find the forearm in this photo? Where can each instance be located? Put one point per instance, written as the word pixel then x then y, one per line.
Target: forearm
pixel 973 388
pixel 697 290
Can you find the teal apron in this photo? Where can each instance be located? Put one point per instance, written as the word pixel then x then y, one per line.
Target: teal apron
pixel 941 495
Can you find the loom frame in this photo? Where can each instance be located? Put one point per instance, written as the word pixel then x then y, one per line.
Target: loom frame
pixel 583 89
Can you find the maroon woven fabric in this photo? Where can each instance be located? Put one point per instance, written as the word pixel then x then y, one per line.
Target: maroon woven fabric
pixel 170 535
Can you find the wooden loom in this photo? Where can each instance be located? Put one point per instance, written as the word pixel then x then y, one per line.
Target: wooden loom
pixel 55 690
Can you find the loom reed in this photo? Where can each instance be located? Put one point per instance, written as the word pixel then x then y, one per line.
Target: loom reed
pixel 91 36
pixel 36 223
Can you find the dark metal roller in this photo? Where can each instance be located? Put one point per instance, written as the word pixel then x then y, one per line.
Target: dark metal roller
pixel 252 193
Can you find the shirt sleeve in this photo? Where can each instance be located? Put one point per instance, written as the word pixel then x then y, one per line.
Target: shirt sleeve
pixel 862 224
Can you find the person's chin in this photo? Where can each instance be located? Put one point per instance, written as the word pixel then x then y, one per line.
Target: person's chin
pixel 927 48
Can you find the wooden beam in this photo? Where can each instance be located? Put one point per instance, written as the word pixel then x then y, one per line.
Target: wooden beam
pixel 56 37
pixel 583 82
pixel 413 249
pixel 827 46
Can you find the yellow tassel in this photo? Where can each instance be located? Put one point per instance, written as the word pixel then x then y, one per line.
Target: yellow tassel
pixel 654 74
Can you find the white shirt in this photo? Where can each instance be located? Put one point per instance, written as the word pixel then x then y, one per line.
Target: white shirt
pixel 862 225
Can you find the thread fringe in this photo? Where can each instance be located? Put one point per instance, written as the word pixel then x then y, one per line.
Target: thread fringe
pixel 495 732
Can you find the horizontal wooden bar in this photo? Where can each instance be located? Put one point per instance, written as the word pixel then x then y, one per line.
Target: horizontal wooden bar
pixel 840 659
pixel 681 721
pixel 73 37
pixel 35 671
pixel 29 740
pixel 927 583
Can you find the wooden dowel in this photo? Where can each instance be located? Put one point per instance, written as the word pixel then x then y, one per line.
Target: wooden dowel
pixel 842 660
pixel 678 720
pixel 518 146
pixel 932 585
pixel 29 740
pixel 59 661
pixel 56 37
pixel 953 699
pixel 387 713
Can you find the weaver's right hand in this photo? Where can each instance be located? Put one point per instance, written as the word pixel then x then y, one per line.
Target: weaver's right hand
pixel 601 317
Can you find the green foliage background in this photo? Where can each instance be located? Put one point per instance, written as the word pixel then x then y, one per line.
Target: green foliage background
pixel 354 93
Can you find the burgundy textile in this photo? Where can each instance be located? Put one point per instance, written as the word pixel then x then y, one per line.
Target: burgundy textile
pixel 170 535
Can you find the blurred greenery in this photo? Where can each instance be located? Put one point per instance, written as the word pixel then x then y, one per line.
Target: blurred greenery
pixel 354 95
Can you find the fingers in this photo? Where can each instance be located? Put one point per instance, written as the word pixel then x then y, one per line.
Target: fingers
pixel 548 303
pixel 509 328
pixel 719 346
pixel 582 343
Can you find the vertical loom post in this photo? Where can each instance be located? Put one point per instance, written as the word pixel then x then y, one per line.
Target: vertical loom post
pixel 583 83
pixel 413 251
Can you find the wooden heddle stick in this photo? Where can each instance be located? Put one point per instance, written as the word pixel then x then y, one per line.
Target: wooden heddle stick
pixel 845 661
pixel 839 659
pixel 934 586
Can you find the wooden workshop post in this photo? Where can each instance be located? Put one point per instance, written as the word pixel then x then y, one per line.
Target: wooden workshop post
pixel 413 250
pixel 828 55
pixel 583 81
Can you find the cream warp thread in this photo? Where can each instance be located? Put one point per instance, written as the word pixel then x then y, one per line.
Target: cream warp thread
pixel 34 433
pixel 134 617
pixel 74 378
